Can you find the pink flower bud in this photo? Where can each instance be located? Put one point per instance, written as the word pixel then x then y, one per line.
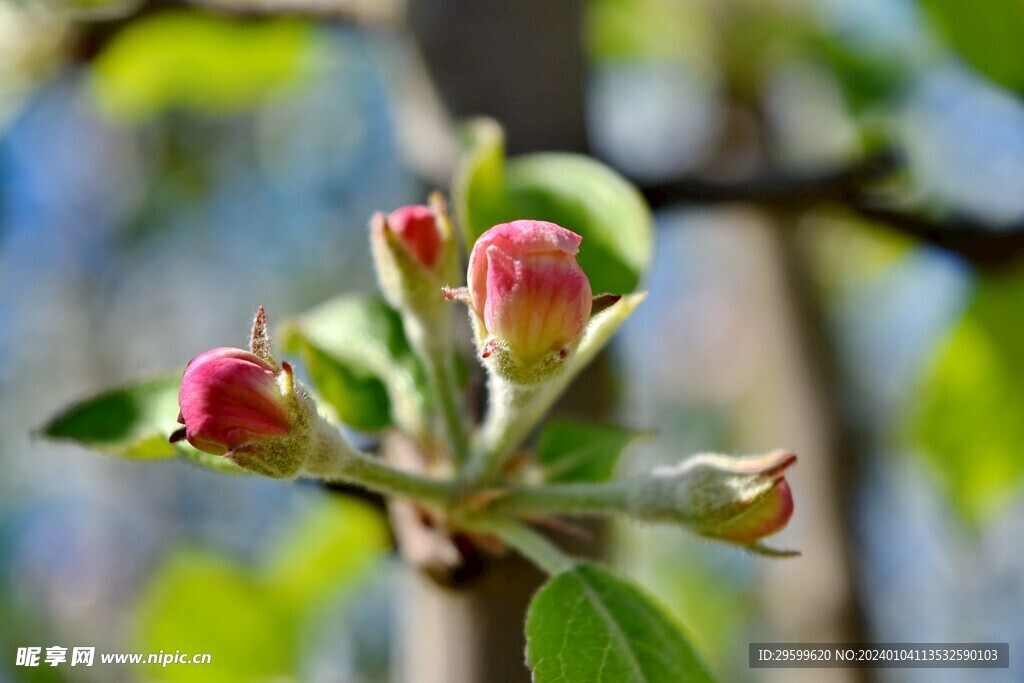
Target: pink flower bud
pixel 528 290
pixel 735 499
pixel 415 255
pixel 416 227
pixel 230 398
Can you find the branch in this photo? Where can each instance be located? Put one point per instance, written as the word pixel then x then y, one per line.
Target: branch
pixel 851 187
pixel 836 184
pixel 973 241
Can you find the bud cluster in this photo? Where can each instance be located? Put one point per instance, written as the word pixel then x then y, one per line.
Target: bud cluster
pixel 530 304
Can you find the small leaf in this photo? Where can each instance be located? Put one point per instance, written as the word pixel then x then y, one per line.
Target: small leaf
pixel 200 603
pixel 359 398
pixel 573 191
pixel 600 329
pixel 331 548
pixel 214 462
pixel 573 451
pixel 360 362
pixel 969 415
pixel 587 625
pixel 132 422
pixel 478 189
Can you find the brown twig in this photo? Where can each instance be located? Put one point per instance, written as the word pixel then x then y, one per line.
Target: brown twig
pixel 852 188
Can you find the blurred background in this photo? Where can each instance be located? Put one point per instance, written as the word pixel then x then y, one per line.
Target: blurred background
pixel 839 195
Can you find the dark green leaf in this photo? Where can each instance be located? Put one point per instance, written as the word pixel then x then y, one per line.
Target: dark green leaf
pixel 359 398
pixel 867 76
pixel 986 33
pixel 969 414
pixel 360 362
pixel 588 625
pixel 573 191
pixel 133 422
pixel 573 451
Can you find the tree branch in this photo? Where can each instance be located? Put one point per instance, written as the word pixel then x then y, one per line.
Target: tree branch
pixel 776 189
pixel 851 187
pixel 973 241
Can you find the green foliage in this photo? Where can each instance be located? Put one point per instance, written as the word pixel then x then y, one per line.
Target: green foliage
pixel 200 603
pixel 718 606
pixel 573 451
pixel 132 422
pixel 986 33
pixel 587 625
pixel 573 191
pixel 250 620
pixel 198 62
pixel 866 76
pixel 629 30
pixel 337 543
pixel 969 416
pixel 359 399
pixel 360 362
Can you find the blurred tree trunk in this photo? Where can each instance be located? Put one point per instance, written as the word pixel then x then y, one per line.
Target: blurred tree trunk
pixel 522 63
pixel 468 633
pixel 814 598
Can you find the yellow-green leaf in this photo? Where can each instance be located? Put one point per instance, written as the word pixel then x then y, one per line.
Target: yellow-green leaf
pixel 198 62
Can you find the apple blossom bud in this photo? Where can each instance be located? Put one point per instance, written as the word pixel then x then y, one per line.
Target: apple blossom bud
pixel 230 397
pixel 415 255
pixel 416 228
pixel 529 295
pixel 735 499
pixel 237 404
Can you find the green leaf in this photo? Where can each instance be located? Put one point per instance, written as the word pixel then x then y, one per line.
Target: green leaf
pixel 599 330
pixel 573 451
pixel 200 603
pixel 649 30
pixel 968 419
pixel 359 399
pixel 360 362
pixel 573 191
pixel 588 625
pixel 478 188
pixel 200 62
pixel 868 76
pixel 132 422
pixel 986 33
pixel 331 548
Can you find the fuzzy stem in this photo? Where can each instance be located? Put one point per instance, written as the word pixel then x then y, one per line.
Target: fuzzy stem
pixel 431 339
pixel 334 460
pixel 572 499
pixel 531 544
pixel 515 409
